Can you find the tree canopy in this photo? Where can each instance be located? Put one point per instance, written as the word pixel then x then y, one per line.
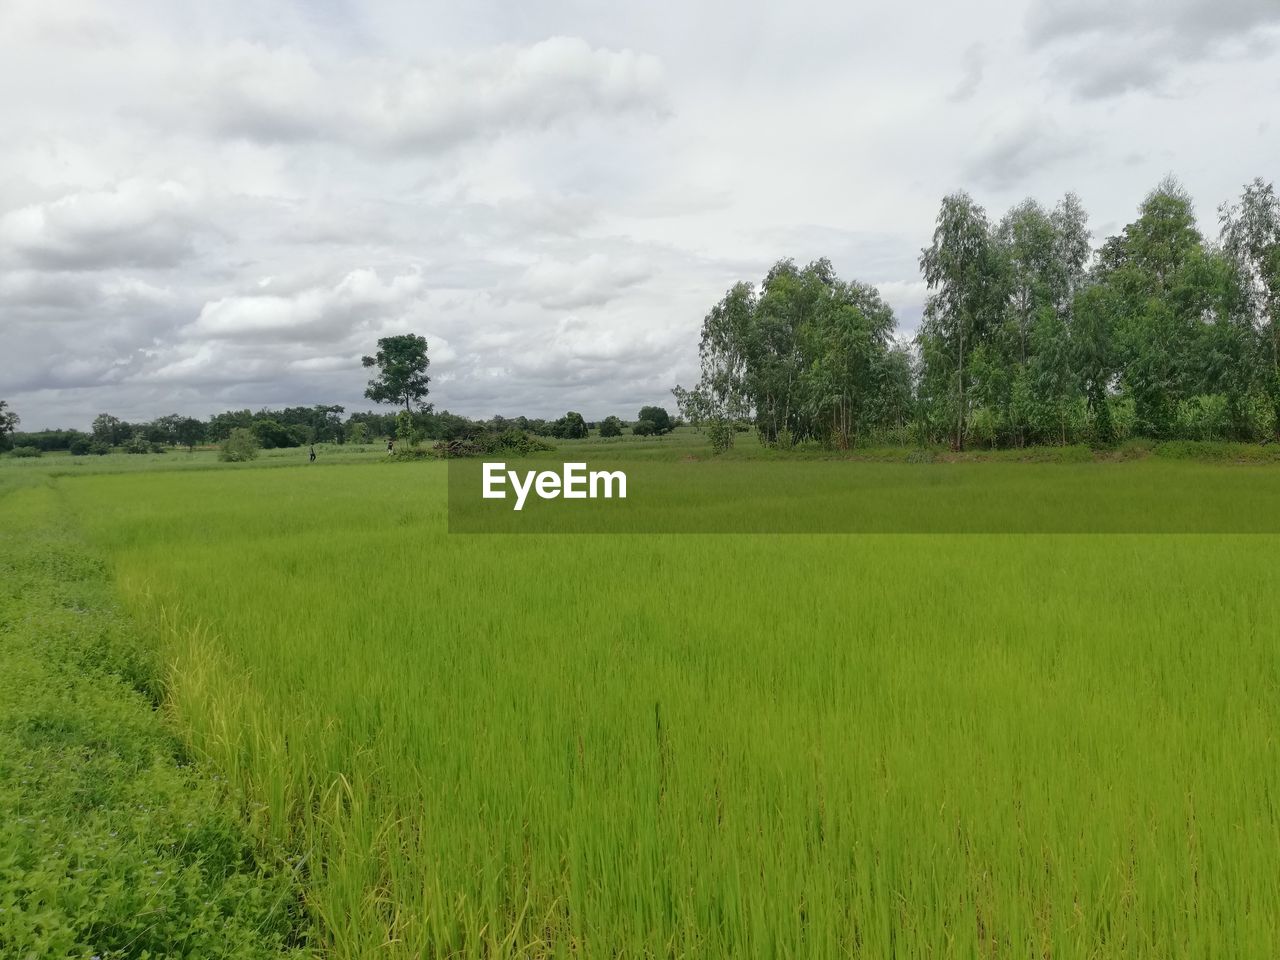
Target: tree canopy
pixel 402 371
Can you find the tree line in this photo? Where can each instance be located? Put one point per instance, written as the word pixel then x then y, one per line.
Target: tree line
pixel 1028 335
pixel 302 426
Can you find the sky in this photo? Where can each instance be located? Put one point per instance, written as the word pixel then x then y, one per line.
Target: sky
pixel 217 206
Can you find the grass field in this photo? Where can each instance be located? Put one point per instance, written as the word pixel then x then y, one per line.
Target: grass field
pixel 807 746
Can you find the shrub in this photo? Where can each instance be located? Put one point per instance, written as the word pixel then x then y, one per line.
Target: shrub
pixel 240 445
pixel 644 428
pixel 25 452
pixel 139 443
pixel 610 427
pixel 513 442
pixel 659 417
pixel 720 432
pixel 98 448
pixel 80 446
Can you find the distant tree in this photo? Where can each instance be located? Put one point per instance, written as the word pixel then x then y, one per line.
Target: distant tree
pixel 239 446
pixel 221 424
pixel 570 427
pixel 272 434
pixel 659 417
pixel 357 432
pixel 188 431
pixel 111 430
pixel 138 443
pixel 610 427
pixel 402 371
pixel 8 424
pixel 644 428
pixel 80 446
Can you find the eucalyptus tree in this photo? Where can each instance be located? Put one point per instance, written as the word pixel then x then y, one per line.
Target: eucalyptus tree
pixel 1251 238
pixel 847 344
pixel 962 269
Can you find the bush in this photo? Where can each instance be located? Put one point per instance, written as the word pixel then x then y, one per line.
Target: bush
pixel 644 428
pixel 240 445
pixel 138 443
pixel 610 427
pixel 98 448
pixel 659 417
pixel 720 432
pixel 80 446
pixel 25 452
pixel 511 442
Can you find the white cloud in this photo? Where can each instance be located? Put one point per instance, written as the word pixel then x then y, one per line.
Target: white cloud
pixel 361 300
pixel 281 94
pixel 590 282
pixel 133 224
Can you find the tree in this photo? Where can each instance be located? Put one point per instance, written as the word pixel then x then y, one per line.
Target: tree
pixel 570 427
pixel 8 425
pixel 659 417
pixel 961 267
pixel 1251 239
pixel 644 428
pixel 272 434
pixel 189 431
pixel 111 430
pixel 402 371
pixel 611 426
pixel 239 446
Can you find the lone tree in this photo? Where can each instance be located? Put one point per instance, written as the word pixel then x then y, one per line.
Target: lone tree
pixel 402 371
pixel 8 419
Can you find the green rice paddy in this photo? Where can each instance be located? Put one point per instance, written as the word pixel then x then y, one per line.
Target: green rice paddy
pixel 708 745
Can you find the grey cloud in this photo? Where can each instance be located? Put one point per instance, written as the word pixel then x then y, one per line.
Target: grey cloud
pixel 134 224
pixel 282 95
pixel 1104 48
pixel 570 285
pixel 1012 153
pixel 974 67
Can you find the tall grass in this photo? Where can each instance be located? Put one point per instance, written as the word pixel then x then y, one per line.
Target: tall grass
pixel 710 746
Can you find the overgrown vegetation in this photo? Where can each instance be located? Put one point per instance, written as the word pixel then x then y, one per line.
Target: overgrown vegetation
pixel 114 845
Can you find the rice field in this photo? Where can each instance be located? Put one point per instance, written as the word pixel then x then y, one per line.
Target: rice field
pixel 702 745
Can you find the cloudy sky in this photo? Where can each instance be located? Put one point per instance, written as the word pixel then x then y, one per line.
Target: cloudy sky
pixel 213 206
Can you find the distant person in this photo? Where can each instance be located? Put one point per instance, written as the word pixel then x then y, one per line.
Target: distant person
pixel 312 458
pixel 391 445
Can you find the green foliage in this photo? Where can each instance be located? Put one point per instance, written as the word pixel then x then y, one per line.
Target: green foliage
pixel 402 371
pixel 512 442
pixel 659 417
pixel 721 434
pixel 25 452
pixel 8 424
pixel 114 846
pixel 570 427
pixel 138 443
pixel 644 428
pixel 271 434
pixel 611 426
pixel 241 445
